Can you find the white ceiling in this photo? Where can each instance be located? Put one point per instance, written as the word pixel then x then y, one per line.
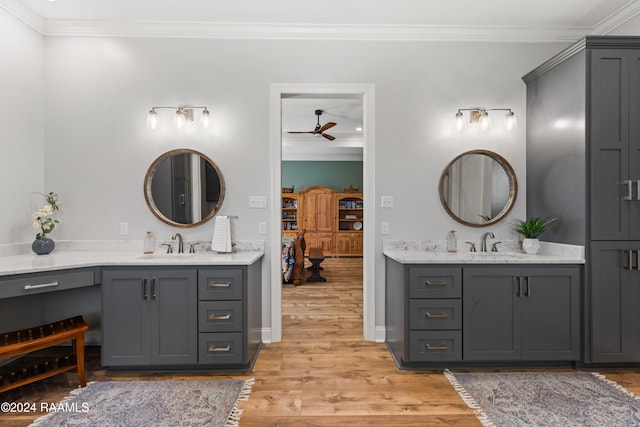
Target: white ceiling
pixel 511 20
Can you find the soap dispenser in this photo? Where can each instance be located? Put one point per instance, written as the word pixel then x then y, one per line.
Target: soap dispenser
pixel 149 243
pixel 452 243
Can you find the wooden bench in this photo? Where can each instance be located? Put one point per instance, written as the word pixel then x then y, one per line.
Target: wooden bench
pixel 316 256
pixel 30 369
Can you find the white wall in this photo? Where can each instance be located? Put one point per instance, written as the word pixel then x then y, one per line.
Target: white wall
pixel 98 91
pixel 22 149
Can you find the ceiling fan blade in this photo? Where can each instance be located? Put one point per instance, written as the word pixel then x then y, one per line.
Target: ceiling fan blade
pixel 326 126
pixel 302 132
pixel 329 137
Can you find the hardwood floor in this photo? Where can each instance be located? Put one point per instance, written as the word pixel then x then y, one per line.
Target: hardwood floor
pixel 323 373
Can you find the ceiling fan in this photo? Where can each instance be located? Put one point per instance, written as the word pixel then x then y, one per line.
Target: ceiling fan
pixel 319 130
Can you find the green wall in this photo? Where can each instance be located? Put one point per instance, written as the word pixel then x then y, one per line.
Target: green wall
pixel 335 175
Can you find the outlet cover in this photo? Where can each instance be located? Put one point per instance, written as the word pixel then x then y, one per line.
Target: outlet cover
pixel 386 201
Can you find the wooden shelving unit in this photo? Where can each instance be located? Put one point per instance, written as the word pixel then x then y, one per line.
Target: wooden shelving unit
pixel 333 221
pixel 289 214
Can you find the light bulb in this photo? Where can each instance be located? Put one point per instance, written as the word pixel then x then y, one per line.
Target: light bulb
pixel 485 121
pixel 459 120
pixel 205 119
pixel 152 119
pixel 179 119
pixel 510 121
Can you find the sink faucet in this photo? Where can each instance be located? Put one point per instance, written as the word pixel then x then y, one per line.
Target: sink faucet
pixel 483 244
pixel 180 242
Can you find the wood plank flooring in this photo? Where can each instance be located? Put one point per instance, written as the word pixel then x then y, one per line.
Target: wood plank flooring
pixel 323 373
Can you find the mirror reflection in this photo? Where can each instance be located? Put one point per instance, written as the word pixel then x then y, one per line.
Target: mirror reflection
pixel 478 188
pixel 184 188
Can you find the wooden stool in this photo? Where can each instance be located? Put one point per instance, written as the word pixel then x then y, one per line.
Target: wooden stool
pixel 37 338
pixel 316 256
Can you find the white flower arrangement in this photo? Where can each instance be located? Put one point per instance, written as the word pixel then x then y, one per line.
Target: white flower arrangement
pixel 43 220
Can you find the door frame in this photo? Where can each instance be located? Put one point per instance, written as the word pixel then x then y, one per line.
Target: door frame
pixel 367 92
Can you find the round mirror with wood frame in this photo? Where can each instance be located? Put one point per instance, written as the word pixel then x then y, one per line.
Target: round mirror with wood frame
pixel 478 188
pixel 184 188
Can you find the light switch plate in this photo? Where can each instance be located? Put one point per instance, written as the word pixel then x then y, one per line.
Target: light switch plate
pixel 384 228
pixel 262 228
pixel 386 201
pixel 124 228
pixel 257 202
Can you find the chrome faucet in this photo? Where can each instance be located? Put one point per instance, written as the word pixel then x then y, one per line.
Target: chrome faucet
pixel 483 244
pixel 180 242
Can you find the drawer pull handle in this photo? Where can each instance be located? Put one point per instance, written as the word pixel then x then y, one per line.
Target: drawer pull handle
pixel 219 285
pixel 40 286
pixel 214 349
pixel 221 317
pixel 436 347
pixel 436 315
pixel 436 283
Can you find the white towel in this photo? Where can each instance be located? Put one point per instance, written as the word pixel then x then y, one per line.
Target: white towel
pixel 221 241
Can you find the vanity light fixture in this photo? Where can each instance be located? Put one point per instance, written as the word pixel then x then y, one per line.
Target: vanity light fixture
pixel 481 116
pixel 184 114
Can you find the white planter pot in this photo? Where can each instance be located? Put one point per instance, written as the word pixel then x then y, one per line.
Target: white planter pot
pixel 531 246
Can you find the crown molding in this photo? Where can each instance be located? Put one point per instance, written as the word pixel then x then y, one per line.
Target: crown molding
pixel 619 17
pixel 24 14
pixel 281 31
pixel 312 31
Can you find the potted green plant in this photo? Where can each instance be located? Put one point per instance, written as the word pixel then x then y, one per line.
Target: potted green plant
pixel 530 230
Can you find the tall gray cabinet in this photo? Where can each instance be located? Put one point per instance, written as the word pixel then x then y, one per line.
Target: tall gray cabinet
pixel 583 166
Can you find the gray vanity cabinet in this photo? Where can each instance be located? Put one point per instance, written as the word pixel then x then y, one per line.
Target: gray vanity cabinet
pixel 149 316
pixel 615 273
pixel 521 313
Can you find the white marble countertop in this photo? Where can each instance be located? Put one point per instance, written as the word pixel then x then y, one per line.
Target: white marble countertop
pixel 550 253
pixel 62 260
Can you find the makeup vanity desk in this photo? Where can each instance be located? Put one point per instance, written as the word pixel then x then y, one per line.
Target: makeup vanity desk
pixel 179 311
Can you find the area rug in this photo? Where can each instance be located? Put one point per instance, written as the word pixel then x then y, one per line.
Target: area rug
pixel 150 403
pixel 546 399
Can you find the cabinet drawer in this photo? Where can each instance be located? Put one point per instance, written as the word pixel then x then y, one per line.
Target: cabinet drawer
pixel 426 314
pixel 435 346
pixel 222 348
pixel 435 282
pixel 219 283
pixel 36 283
pixel 220 316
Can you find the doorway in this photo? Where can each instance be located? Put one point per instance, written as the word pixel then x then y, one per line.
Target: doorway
pixel 366 94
